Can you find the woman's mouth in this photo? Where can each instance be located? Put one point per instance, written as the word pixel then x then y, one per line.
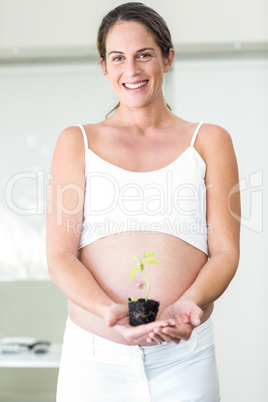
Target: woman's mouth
pixel 135 85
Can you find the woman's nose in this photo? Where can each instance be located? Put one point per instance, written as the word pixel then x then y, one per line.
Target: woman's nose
pixel 133 68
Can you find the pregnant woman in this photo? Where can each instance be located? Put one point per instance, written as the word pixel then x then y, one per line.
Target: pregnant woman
pixel 142 180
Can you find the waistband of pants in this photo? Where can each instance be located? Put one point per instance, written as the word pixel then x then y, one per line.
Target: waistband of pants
pixel 79 341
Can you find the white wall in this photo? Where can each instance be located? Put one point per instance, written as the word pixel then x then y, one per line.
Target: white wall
pixel 60 26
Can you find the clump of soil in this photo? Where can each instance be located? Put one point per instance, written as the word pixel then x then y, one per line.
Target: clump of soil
pixel 142 311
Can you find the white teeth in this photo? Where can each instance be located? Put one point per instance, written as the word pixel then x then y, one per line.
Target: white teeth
pixel 134 86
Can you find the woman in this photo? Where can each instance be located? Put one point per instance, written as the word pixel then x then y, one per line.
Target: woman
pixel 142 180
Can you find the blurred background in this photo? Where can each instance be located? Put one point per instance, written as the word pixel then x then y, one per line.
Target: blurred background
pixel 50 79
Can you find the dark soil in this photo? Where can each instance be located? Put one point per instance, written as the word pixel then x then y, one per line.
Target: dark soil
pixel 142 311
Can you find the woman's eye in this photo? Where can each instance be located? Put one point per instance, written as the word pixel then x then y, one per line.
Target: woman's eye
pixel 144 56
pixel 118 58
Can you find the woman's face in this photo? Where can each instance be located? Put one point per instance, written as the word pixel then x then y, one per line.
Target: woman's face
pixel 134 64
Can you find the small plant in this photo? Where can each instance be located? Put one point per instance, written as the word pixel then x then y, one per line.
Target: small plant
pixel 142 311
pixel 140 268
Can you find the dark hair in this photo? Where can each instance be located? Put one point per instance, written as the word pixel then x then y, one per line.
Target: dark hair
pixel 141 13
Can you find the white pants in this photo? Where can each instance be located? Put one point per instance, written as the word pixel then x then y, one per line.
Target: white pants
pixel 94 369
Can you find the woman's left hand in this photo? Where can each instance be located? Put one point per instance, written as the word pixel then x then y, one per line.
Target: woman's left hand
pixel 117 317
pixel 185 314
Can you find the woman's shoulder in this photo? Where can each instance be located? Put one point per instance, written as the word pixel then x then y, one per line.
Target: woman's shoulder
pixel 212 131
pixel 213 135
pixel 213 141
pixel 207 131
pixel 70 137
pixel 75 132
pixel 71 143
pixel 76 136
pixel 68 162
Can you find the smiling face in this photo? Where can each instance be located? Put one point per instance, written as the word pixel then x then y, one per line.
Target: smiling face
pixel 134 64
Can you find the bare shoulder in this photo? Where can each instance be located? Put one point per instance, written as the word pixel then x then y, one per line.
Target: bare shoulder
pixel 93 130
pixel 214 142
pixel 218 152
pixel 71 137
pixel 70 150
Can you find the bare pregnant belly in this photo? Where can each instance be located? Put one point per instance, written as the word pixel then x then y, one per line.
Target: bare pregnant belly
pixel 110 261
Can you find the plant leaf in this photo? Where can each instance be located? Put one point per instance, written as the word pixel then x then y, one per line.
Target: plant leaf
pixel 132 299
pixel 136 259
pixel 132 273
pixel 153 261
pixel 141 266
pixel 148 254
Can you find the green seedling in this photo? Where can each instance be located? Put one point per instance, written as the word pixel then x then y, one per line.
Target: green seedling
pixel 141 261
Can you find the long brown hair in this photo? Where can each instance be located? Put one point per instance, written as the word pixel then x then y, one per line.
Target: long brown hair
pixel 143 14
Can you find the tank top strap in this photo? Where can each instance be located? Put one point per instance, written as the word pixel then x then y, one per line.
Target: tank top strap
pixel 84 135
pixel 195 133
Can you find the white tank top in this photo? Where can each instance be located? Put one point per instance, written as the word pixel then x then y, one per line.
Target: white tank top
pixel 169 200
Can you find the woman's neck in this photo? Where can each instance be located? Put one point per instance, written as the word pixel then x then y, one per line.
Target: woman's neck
pixel 153 115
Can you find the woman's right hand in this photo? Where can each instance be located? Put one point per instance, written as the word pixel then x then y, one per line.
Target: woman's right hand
pixel 117 317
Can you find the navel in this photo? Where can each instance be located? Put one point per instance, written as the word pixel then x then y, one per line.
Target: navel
pixel 141 285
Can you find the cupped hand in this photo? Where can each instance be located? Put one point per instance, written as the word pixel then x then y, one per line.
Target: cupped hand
pixel 185 314
pixel 118 317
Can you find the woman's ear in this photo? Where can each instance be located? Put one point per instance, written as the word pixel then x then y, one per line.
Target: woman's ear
pixel 103 66
pixel 169 60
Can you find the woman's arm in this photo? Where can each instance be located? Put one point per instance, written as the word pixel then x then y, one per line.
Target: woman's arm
pixel 223 235
pixel 224 228
pixel 64 217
